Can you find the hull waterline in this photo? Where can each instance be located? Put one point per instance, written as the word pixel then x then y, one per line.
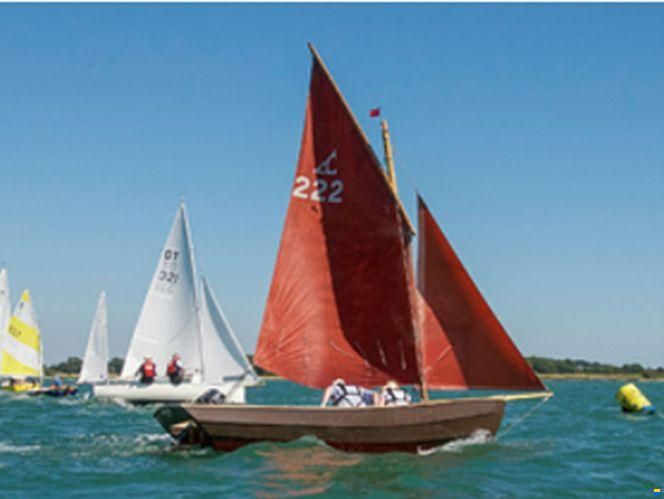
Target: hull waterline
pixel 371 429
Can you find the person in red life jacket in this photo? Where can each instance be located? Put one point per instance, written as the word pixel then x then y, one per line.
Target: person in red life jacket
pixel 175 370
pixel 147 370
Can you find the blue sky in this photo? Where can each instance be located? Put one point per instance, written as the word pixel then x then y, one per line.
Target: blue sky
pixel 535 133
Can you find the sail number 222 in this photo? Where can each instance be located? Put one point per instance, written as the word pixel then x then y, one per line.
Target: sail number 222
pixel 323 190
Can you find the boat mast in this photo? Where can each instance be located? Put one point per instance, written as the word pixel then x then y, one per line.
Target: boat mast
pixel 389 158
pixel 195 277
pixel 392 179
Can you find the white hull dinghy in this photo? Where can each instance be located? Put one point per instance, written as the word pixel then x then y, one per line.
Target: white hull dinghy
pixel 164 392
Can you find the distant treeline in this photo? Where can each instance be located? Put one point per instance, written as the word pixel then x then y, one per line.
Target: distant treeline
pixel 541 365
pixel 72 366
pixel 545 365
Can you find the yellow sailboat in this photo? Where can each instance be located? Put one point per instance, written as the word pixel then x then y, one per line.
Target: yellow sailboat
pixel 22 352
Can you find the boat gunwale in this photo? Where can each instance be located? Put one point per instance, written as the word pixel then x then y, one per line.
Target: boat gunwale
pixel 417 405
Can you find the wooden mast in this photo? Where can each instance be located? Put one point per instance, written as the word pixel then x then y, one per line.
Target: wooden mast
pixel 392 179
pixel 389 159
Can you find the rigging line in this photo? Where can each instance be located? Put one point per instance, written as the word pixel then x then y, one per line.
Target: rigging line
pixel 403 169
pixel 522 418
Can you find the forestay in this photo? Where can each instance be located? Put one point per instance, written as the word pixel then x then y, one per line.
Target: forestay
pixel 223 356
pixel 168 322
pixel 95 361
pixel 22 349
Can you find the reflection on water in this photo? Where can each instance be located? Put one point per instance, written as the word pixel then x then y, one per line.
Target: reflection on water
pixel 310 469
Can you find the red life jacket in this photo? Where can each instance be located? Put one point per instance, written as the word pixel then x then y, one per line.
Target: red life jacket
pixel 172 367
pixel 149 369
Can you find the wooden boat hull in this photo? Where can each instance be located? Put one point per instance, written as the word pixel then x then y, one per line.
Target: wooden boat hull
pixel 370 429
pixel 164 392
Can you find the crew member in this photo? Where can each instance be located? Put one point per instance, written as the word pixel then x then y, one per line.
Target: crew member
pixel 175 370
pixel 340 394
pixel 147 370
pixel 392 394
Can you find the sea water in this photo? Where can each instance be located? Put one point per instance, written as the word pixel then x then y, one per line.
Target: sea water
pixel 577 444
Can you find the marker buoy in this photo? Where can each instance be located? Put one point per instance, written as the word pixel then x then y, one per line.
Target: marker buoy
pixel 632 400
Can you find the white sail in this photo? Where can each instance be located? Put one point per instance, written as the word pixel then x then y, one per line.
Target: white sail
pixel 168 322
pixel 95 361
pixel 5 310
pixel 22 347
pixel 223 356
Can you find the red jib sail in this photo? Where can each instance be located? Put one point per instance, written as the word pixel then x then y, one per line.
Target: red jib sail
pixel 340 300
pixel 464 344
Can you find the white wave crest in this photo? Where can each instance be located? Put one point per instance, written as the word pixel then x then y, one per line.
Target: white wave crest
pixel 17 449
pixel 478 437
pixel 149 438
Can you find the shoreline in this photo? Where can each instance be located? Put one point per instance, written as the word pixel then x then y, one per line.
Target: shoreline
pixel 599 377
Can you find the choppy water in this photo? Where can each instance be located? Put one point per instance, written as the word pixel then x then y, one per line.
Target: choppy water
pixel 579 443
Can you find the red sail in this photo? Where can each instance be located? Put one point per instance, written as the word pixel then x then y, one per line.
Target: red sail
pixel 340 300
pixel 464 344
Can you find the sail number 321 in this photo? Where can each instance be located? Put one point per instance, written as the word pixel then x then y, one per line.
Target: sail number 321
pixel 323 190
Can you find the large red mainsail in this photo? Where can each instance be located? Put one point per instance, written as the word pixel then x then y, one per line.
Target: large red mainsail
pixel 464 344
pixel 340 300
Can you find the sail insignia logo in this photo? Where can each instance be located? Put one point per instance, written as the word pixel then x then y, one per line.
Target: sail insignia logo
pixel 657 492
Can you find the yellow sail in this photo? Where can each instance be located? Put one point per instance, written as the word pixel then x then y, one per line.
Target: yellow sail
pixel 22 347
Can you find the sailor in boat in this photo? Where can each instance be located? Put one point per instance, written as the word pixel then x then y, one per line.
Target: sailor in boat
pixel 58 389
pixel 392 394
pixel 175 370
pixel 147 370
pixel 56 385
pixel 340 394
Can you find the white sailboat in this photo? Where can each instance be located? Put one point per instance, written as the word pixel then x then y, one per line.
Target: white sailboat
pixel 173 320
pixel 22 351
pixel 5 307
pixel 95 362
